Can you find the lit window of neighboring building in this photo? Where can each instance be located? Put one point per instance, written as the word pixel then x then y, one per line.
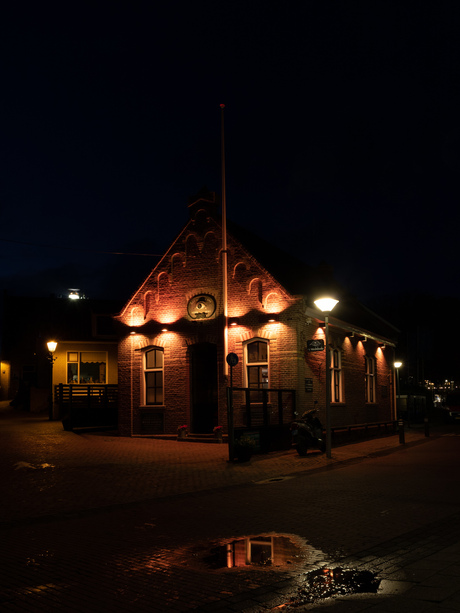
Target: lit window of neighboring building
pixel 257 364
pixel 86 367
pixel 370 379
pixel 153 376
pixel 336 376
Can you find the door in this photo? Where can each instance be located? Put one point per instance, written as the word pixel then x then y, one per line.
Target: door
pixel 203 387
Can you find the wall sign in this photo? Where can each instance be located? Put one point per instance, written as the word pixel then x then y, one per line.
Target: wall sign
pixel 202 306
pixel 315 345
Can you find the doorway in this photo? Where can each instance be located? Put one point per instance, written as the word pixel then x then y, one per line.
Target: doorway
pixel 203 387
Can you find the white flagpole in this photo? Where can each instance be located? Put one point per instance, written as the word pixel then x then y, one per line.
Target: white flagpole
pixel 224 244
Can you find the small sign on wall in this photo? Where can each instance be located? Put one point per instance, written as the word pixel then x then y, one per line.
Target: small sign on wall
pixel 316 344
pixel 308 385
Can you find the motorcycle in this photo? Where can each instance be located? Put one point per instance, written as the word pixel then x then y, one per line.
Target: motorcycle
pixel 307 433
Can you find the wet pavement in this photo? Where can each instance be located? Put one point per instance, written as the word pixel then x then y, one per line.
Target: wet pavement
pixel 93 522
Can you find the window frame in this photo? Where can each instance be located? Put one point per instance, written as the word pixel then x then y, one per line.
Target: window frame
pixel 78 362
pixel 156 369
pixel 370 379
pixel 257 364
pixel 336 376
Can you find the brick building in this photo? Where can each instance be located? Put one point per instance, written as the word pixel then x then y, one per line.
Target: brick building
pixel 174 339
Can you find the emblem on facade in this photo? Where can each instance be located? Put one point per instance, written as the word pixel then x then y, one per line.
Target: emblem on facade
pixel 202 306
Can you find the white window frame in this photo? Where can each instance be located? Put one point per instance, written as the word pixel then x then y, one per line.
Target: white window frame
pixel 261 364
pixel 370 378
pixel 146 370
pixel 336 376
pixel 75 358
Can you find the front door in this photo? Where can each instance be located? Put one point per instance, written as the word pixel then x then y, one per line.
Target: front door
pixel 203 380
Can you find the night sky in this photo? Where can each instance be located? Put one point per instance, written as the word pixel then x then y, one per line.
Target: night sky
pixel 341 124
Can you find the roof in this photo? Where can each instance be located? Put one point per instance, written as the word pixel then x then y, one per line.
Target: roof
pixel 311 282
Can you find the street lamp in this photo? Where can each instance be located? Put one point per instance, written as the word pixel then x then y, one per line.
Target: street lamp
pixel 326 305
pixel 397 366
pixel 51 357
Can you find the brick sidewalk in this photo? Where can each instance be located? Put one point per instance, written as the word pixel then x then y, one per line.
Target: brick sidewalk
pixel 48 471
pixel 96 523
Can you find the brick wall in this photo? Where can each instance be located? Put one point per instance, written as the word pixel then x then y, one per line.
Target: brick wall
pixel 192 266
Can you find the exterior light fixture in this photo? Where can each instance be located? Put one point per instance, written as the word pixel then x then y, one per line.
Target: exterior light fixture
pixel 269 318
pixel 164 329
pixel 233 321
pixel 74 294
pixel 326 305
pixel 397 366
pixel 51 345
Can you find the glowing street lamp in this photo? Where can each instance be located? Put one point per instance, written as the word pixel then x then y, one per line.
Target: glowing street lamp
pixel 326 305
pixel 397 366
pixel 51 357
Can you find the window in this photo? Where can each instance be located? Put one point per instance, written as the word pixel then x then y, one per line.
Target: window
pixel 370 379
pixel 336 376
pixel 257 364
pixel 86 367
pixel 153 376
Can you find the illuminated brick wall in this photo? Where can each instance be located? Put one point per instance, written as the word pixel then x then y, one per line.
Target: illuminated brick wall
pixel 158 316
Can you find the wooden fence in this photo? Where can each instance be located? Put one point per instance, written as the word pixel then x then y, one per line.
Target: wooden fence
pixel 87 406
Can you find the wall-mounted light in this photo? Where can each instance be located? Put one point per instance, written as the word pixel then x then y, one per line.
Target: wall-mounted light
pixel 270 318
pixel 381 345
pixel 165 329
pixel 233 321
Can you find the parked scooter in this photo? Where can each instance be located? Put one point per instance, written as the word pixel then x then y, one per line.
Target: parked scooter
pixel 307 433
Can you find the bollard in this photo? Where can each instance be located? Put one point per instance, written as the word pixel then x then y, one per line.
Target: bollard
pixel 401 432
pixel 427 426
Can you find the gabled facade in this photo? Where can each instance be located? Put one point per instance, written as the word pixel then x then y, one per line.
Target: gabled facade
pixel 176 332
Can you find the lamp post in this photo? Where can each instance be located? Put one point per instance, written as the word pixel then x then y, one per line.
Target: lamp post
pixel 326 305
pixel 397 366
pixel 51 357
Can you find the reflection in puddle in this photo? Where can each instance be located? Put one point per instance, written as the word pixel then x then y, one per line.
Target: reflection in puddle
pixel 255 551
pixel 327 582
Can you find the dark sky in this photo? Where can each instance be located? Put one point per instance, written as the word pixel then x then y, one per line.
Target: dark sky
pixel 342 137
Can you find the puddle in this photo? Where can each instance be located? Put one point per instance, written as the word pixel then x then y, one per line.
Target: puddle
pixel 261 551
pixel 29 466
pixel 329 582
pixel 267 551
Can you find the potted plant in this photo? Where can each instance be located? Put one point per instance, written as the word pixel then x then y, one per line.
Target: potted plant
pixel 218 431
pixel 182 431
pixel 244 447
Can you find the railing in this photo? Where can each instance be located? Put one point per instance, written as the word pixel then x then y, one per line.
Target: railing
pixel 263 414
pixel 263 407
pixel 86 406
pixel 354 432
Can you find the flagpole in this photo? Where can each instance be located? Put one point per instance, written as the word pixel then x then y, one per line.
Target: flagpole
pixel 224 243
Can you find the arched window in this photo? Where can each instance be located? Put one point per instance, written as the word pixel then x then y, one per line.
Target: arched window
pixel 336 376
pixel 153 376
pixel 257 364
pixel 370 379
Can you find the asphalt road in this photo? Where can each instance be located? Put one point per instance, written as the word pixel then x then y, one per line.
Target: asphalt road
pixel 397 515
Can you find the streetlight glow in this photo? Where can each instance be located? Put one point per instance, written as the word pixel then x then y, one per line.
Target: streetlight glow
pixel 326 304
pixel 51 346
